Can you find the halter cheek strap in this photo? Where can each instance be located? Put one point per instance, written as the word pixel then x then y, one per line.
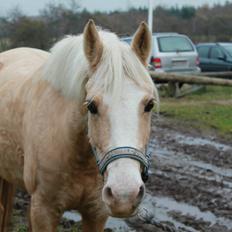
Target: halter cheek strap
pixel 124 152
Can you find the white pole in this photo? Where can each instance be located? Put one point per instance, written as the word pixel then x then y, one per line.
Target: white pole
pixel 150 15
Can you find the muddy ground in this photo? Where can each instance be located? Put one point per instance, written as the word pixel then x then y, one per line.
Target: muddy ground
pixel 190 185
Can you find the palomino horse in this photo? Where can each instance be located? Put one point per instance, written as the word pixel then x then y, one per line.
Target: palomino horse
pixel 91 98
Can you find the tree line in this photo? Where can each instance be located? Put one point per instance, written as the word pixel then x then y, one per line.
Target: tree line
pixel 202 24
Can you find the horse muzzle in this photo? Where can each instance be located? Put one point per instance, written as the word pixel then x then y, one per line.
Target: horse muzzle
pixel 124 187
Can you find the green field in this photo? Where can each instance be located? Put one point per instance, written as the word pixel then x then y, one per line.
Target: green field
pixel 210 108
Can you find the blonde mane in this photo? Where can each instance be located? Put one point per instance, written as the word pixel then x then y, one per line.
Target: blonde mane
pixel 68 70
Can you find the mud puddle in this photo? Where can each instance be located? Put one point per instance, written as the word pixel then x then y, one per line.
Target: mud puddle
pixel 191 178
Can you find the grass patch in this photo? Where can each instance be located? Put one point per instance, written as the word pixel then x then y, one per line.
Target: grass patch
pixel 208 108
pixel 4 44
pixel 21 228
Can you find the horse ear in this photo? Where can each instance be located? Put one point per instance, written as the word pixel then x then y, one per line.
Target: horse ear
pixel 142 43
pixel 93 46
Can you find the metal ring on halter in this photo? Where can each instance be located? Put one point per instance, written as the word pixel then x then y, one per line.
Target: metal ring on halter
pixel 124 152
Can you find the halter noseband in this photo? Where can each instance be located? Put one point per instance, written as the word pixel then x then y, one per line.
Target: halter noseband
pixel 124 152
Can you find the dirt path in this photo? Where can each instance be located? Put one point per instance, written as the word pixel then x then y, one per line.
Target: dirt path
pixel 190 185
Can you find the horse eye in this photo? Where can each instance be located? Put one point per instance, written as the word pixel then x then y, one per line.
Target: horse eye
pixel 149 106
pixel 92 107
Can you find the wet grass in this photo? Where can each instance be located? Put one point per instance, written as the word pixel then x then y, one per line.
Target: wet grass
pixel 61 228
pixel 207 108
pixel 22 228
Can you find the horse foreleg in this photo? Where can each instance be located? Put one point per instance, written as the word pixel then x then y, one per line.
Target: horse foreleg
pixel 93 224
pixel 43 217
pixel 7 191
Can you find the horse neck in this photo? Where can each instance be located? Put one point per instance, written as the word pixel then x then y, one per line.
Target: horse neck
pixel 66 113
pixel 76 125
pixel 81 151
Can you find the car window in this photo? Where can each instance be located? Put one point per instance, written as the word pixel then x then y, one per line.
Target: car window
pixel 228 49
pixel 203 51
pixel 216 53
pixel 174 44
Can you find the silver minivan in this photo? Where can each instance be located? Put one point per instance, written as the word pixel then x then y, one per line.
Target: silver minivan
pixel 172 52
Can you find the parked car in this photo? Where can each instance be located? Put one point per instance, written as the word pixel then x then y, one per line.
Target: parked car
pixel 215 57
pixel 172 52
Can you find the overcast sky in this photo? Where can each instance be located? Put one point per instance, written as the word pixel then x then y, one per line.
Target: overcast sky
pixel 32 7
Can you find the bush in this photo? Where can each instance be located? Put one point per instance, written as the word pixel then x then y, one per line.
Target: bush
pixel 30 33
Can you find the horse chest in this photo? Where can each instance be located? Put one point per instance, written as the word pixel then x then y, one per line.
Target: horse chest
pixel 80 190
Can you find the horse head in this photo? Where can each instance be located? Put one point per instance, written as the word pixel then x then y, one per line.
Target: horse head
pixel 120 96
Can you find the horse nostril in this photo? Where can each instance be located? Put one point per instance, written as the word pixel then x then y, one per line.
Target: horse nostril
pixel 135 195
pixel 108 193
pixel 141 192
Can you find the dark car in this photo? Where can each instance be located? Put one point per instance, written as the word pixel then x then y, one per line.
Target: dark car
pixel 215 57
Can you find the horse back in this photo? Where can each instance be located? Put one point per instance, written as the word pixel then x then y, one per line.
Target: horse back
pixel 20 63
pixel 16 69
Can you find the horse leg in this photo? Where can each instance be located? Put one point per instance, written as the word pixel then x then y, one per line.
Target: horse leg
pixel 7 191
pixel 93 224
pixel 43 217
pixel 29 218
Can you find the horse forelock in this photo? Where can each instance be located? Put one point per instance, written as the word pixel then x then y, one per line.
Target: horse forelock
pixel 68 70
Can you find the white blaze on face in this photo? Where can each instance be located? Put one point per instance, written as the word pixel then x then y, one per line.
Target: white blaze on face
pixel 124 175
pixel 124 116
